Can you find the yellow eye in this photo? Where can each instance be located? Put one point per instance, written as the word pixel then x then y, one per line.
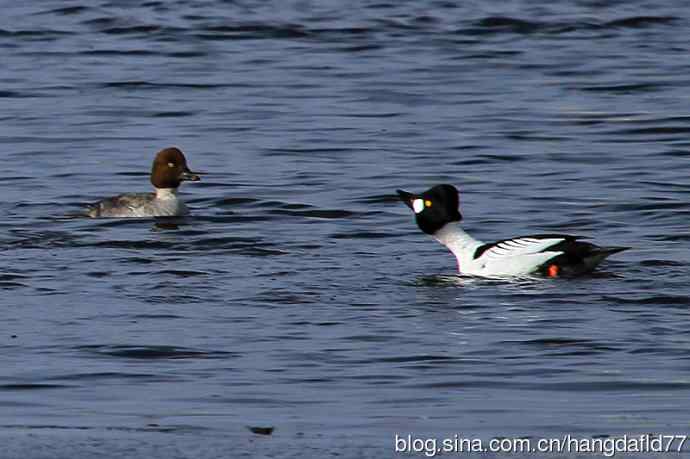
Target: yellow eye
pixel 427 203
pixel 171 164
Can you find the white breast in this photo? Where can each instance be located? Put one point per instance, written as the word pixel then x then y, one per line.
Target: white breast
pixel 513 257
pixel 161 208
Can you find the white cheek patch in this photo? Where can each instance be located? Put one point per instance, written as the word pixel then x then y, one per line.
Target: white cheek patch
pixel 418 205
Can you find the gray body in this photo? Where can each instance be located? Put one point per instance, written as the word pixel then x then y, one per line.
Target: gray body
pixel 163 203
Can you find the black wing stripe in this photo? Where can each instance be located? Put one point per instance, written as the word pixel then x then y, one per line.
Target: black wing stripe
pixel 507 244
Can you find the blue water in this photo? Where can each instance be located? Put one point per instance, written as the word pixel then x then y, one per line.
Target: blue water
pixel 300 295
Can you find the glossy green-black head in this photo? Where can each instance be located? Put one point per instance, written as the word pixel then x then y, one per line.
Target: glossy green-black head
pixel 434 208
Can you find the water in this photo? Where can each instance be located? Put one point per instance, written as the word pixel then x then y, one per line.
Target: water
pixel 300 295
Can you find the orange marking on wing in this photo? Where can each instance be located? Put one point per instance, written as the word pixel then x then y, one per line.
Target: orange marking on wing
pixel 552 270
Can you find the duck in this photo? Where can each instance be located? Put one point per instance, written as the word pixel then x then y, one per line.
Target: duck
pixel 437 213
pixel 168 171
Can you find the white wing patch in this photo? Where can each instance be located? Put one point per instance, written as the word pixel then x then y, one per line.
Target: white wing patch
pixel 518 247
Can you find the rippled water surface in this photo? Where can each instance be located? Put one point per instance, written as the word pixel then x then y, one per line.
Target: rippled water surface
pixel 300 295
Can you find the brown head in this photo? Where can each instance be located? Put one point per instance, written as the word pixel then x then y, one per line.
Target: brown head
pixel 170 169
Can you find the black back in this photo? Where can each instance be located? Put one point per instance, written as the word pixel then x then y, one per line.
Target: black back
pixel 570 244
pixel 576 257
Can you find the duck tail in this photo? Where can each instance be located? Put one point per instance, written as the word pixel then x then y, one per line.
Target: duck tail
pixel 596 256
